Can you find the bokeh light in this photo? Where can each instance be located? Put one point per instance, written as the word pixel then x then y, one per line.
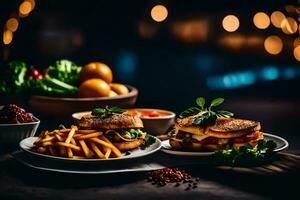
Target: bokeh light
pixel 159 13
pixel 32 2
pixel 7 37
pixel 297 42
pixel 297 53
pixel 230 23
pixel 289 25
pixel 273 45
pixel 261 20
pixel 276 18
pixel 12 24
pixel 25 8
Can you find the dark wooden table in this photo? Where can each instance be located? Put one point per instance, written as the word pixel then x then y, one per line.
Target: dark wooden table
pixel 277 180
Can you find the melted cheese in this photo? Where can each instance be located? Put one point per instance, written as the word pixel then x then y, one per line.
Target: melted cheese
pixel 199 137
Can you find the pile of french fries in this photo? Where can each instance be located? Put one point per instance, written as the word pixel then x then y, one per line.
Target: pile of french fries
pixel 76 144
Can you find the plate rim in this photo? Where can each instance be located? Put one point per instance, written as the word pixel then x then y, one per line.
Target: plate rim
pixel 91 172
pixel 191 153
pixel 157 142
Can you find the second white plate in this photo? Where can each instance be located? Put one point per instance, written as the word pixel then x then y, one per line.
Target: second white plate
pixel 166 147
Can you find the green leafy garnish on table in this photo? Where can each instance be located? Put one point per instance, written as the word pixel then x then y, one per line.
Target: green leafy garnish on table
pixel 102 112
pixel 208 116
pixel 246 154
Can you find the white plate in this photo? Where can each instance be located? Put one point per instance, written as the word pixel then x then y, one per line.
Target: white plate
pixel 166 147
pixel 27 146
pixel 38 164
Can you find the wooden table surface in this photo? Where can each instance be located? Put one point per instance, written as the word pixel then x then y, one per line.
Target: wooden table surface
pixel 277 180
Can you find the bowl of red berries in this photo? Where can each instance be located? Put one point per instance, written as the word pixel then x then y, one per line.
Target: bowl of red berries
pixel 16 124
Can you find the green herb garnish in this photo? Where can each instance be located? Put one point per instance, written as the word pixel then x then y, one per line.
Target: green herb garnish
pixel 246 154
pixel 102 112
pixel 148 141
pixel 208 116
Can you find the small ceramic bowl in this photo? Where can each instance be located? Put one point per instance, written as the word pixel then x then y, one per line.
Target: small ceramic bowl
pixel 12 134
pixel 153 124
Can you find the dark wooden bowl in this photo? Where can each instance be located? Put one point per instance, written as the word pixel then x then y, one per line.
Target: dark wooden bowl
pixel 61 107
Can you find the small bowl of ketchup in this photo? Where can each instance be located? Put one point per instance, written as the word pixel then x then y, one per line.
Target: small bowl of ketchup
pixel 156 121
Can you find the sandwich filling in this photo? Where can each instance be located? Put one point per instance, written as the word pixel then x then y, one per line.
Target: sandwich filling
pixel 225 133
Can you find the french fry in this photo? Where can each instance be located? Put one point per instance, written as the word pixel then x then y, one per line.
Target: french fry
pixel 79 157
pixel 47 139
pixel 113 148
pixel 85 149
pixel 97 150
pixel 107 152
pixel 76 144
pixel 44 144
pixel 91 135
pixel 73 141
pixel 68 140
pixel 58 137
pixel 71 134
pixel 85 131
pixel 72 146
pixel 69 152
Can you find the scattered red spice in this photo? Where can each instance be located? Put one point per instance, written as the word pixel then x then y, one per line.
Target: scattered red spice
pixel 164 176
pixel 12 114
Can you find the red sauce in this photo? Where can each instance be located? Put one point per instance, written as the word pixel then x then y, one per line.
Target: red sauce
pixel 148 113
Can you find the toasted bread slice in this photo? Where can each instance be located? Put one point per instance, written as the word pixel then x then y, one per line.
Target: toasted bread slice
pixel 115 121
pixel 232 127
pixel 223 128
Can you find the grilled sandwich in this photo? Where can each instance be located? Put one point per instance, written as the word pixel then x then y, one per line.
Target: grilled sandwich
pixel 223 134
pixel 122 129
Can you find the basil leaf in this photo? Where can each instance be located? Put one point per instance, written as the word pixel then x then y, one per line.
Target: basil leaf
pixel 200 101
pixel 189 112
pixel 116 109
pixel 199 120
pixel 208 118
pixel 216 102
pixel 224 113
pixel 98 111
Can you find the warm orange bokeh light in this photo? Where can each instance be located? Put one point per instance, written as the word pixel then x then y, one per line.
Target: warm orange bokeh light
pixel 297 53
pixel 32 2
pixel 7 37
pixel 159 13
pixel 230 23
pixel 261 20
pixel 273 45
pixel 276 18
pixel 12 24
pixel 289 25
pixel 25 8
pixel 297 42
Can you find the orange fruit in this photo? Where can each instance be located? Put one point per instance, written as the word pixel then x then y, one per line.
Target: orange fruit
pixel 94 88
pixel 96 70
pixel 119 88
pixel 112 94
